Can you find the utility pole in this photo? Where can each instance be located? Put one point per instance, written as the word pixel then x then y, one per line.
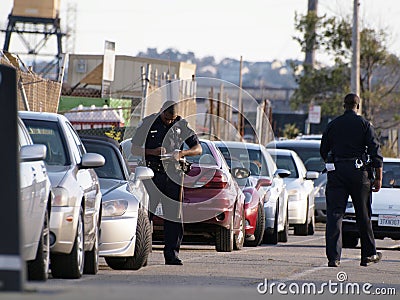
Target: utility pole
pixel 240 103
pixel 355 64
pixel 310 52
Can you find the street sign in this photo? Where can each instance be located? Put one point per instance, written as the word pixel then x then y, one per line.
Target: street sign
pixel 314 114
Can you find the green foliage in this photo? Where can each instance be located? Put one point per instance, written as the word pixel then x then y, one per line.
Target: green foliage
pixel 290 131
pixel 327 85
pixel 116 135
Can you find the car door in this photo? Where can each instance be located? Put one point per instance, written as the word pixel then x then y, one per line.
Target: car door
pixel 307 184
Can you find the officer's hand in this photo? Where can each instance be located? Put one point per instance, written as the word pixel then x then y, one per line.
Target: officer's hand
pixel 376 185
pixel 176 154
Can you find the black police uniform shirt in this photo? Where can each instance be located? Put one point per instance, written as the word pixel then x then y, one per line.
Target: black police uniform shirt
pixel 347 136
pixel 153 133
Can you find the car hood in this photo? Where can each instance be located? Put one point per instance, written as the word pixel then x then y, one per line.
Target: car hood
pixel 108 185
pixel 57 174
pixel 292 183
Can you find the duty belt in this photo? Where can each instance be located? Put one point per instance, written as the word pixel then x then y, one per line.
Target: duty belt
pixel 155 166
pixel 358 162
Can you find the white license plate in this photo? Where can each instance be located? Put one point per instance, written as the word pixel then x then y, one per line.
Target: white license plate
pixel 389 220
pixel 159 210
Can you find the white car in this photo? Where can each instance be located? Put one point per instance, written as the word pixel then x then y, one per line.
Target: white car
pixel 300 186
pixel 256 158
pixel 75 209
pixel 385 208
pixel 35 199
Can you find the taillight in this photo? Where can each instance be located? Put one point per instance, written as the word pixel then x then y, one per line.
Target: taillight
pixel 218 181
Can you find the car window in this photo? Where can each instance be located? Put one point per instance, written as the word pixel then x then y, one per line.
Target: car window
pixel 23 136
pixel 48 134
pixel 77 147
pixel 286 162
pixel 206 157
pixel 311 158
pixel 391 175
pixel 112 167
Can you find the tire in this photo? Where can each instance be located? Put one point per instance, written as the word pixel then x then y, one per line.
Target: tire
pixel 283 236
pixel 272 238
pixel 349 240
pixel 239 239
pixel 260 227
pixel 70 266
pixel 92 257
pixel 142 247
pixel 38 269
pixel 224 238
pixel 302 229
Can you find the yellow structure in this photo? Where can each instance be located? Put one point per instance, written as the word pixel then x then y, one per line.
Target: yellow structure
pixel 48 9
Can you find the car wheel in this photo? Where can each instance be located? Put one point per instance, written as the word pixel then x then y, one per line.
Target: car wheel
pixel 224 238
pixel 272 238
pixel 92 257
pixel 143 246
pixel 302 229
pixel 239 238
pixel 349 240
pixel 260 227
pixel 71 265
pixel 38 269
pixel 284 235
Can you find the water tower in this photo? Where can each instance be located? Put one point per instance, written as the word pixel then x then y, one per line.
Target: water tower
pixel 35 22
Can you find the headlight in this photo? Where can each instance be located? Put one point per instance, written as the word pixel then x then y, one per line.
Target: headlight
pixel 247 197
pixel 114 208
pixel 61 197
pixel 320 191
pixel 294 195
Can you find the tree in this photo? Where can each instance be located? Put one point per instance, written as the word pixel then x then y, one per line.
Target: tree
pixel 326 85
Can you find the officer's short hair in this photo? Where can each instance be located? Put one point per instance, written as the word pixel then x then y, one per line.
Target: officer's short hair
pixel 351 100
pixel 170 107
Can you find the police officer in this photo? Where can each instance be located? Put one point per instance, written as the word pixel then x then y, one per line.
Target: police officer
pixel 346 144
pixel 157 137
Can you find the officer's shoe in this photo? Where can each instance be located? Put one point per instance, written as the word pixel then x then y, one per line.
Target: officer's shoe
pixel 334 263
pixel 373 259
pixel 175 261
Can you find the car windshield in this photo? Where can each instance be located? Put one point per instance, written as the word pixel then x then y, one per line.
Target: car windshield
pixel 311 157
pixel 126 151
pixel 206 157
pixel 251 159
pixel 48 134
pixel 286 162
pixel 111 168
pixel 391 175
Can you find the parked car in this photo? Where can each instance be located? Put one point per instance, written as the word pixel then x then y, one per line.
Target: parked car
pixel 213 205
pixel 268 179
pixel 308 150
pixel 300 186
pixel 125 240
pixel 35 198
pixel 75 209
pixel 385 208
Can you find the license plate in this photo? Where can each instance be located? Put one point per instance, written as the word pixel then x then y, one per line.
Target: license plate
pixel 159 211
pixel 389 220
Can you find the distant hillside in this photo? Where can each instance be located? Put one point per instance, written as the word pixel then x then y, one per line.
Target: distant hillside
pixel 255 74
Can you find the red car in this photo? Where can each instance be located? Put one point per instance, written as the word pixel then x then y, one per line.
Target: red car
pixel 254 202
pixel 213 205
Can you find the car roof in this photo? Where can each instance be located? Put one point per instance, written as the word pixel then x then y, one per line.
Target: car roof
pixel 44 116
pixel 237 144
pixel 291 143
pixel 391 159
pixel 283 152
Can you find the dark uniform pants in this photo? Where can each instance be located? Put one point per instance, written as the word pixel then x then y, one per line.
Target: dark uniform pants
pixel 162 188
pixel 346 180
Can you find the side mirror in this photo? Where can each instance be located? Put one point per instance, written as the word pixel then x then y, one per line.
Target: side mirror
pixel 282 173
pixel 92 160
pixel 32 152
pixel 263 182
pixel 143 173
pixel 312 175
pixel 240 173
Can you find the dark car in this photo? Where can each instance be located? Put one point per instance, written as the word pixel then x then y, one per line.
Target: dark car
pixel 213 205
pixel 308 150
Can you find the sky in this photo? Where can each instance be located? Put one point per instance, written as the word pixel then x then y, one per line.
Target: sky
pixel 257 30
